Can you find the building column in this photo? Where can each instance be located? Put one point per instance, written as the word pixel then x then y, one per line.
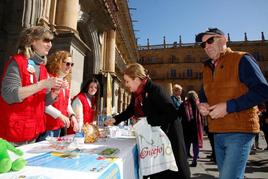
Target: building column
pixel 67 14
pixel 121 100
pixel 126 97
pixel 52 12
pixel 109 65
pixel 109 94
pixel 36 12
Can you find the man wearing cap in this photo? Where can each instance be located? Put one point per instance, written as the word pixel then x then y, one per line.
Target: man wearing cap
pixel 233 85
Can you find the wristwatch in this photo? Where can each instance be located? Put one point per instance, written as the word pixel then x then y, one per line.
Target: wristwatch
pixel 71 116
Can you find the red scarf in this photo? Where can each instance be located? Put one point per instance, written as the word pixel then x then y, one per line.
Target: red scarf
pixel 139 99
pixel 188 110
pixel 190 114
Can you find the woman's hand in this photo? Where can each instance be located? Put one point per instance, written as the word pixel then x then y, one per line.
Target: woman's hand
pixel 109 122
pixel 65 120
pixel 52 83
pixel 65 84
pixel 74 124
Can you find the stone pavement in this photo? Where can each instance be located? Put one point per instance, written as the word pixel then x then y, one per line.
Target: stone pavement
pixel 257 166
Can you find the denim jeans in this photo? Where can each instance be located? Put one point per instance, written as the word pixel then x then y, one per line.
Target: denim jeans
pixel 232 151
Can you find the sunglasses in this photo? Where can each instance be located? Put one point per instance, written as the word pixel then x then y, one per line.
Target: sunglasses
pixel 47 40
pixel 69 64
pixel 210 40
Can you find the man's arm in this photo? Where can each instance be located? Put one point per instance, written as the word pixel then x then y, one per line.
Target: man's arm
pixel 250 74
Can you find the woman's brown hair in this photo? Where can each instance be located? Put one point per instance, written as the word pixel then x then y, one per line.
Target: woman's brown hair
pixel 136 70
pixel 29 35
pixel 55 61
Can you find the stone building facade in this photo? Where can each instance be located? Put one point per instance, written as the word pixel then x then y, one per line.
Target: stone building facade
pixel 182 63
pixel 98 33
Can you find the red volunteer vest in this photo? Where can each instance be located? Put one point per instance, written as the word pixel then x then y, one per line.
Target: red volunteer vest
pixel 23 121
pixel 88 112
pixel 62 105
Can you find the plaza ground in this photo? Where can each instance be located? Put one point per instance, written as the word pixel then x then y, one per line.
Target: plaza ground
pixel 257 166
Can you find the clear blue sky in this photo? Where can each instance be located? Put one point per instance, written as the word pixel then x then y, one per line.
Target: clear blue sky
pixel 171 18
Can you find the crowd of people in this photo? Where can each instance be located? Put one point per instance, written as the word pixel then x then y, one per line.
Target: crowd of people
pixel 35 95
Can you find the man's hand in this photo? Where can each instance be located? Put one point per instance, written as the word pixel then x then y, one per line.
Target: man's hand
pixel 218 111
pixel 203 108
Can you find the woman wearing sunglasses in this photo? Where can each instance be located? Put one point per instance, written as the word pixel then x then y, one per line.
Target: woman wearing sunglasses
pixel 60 113
pixel 25 88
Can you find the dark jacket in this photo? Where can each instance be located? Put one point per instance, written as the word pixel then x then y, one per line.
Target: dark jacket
pixel 159 110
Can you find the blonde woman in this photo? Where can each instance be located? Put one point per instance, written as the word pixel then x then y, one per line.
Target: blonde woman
pixel 150 100
pixel 25 88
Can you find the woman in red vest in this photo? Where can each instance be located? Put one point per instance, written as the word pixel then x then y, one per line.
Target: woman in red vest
pixel 59 114
pixel 85 103
pixel 25 88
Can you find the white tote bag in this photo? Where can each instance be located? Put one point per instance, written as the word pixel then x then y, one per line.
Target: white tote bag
pixel 155 151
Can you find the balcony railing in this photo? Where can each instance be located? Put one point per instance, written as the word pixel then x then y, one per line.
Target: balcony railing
pixel 152 47
pixel 149 61
pixel 177 45
pixel 181 76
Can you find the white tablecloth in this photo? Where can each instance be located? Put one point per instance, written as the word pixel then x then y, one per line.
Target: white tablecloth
pixel 126 162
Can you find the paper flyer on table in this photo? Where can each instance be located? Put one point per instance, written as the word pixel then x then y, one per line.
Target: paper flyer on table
pixel 71 161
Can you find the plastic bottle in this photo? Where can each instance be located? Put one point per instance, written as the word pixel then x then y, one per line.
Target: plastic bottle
pixel 100 120
pixel 79 136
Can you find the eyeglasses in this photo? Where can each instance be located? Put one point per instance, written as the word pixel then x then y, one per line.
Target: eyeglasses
pixel 210 40
pixel 47 40
pixel 69 64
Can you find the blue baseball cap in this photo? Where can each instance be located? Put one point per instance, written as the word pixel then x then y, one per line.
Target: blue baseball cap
pixel 210 31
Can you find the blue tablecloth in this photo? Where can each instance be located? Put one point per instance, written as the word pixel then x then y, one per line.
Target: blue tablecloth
pixel 47 163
